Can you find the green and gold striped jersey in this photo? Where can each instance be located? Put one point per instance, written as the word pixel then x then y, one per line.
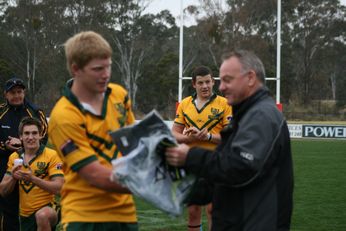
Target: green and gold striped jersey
pixel 81 137
pixel 214 116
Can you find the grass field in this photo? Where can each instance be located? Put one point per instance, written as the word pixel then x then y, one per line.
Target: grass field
pixel 320 185
pixel 319 195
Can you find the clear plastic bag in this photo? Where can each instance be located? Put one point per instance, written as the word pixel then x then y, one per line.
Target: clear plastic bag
pixel 143 168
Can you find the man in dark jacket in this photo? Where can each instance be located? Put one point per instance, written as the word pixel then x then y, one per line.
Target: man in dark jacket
pixel 12 111
pixel 251 169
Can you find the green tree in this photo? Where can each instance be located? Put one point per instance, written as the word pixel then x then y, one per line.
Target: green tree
pixel 313 30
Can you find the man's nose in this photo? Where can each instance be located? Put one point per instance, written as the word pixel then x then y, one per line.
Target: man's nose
pixel 204 84
pixel 107 72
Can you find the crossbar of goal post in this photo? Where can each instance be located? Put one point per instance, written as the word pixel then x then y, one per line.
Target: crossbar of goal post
pixel 278 55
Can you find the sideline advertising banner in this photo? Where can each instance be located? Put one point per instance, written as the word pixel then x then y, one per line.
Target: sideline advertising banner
pixel 296 130
pixel 317 131
pixel 324 131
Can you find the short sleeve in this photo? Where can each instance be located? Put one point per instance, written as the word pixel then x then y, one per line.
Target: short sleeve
pixel 10 163
pixel 179 115
pixel 71 142
pixel 56 165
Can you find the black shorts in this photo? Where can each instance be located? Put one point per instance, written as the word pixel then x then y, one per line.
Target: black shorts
pixel 9 218
pixel 29 223
pixel 100 226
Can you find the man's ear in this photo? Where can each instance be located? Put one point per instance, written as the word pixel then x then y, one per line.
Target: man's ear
pixel 193 83
pixel 74 68
pixel 252 78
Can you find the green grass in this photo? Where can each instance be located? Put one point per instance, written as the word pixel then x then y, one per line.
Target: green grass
pixel 151 219
pixel 320 185
pixel 319 194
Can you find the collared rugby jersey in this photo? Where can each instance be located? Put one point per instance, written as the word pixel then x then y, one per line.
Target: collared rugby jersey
pixel 81 137
pixel 214 116
pixel 45 165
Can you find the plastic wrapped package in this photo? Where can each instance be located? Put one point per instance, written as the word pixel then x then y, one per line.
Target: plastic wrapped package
pixel 143 168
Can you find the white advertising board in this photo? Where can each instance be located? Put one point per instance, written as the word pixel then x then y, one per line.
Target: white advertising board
pixel 309 130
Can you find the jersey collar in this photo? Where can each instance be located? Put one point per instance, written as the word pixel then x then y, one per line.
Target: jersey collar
pixel 73 99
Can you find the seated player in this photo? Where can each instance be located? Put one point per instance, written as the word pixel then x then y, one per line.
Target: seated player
pixel 38 170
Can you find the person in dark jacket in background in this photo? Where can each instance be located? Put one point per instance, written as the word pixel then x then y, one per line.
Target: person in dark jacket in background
pixel 12 111
pixel 251 169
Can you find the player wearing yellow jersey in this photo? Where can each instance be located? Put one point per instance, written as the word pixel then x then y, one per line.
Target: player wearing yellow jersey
pixel 199 120
pixel 38 171
pixel 79 129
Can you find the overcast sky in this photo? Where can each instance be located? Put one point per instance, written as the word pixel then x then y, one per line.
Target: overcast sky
pixel 174 5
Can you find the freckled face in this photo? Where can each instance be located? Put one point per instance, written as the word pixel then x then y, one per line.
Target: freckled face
pixel 94 76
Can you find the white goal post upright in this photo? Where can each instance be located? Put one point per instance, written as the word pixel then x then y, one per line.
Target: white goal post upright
pixel 181 39
pixel 278 54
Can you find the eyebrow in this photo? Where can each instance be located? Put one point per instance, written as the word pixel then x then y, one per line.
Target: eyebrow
pixel 227 77
pixel 26 132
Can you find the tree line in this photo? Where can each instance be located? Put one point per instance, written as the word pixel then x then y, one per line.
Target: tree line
pixel 146 46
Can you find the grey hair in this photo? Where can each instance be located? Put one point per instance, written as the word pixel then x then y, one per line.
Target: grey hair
pixel 249 61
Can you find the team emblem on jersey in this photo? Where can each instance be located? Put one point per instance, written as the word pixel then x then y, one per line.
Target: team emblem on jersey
pixel 41 168
pixel 122 113
pixel 214 113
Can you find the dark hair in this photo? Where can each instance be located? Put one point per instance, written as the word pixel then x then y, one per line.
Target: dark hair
pixel 201 71
pixel 26 121
pixel 249 61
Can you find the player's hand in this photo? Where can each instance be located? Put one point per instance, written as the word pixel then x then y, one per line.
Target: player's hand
pixel 16 174
pixel 26 175
pixel 189 131
pixel 203 134
pixel 197 134
pixel 13 143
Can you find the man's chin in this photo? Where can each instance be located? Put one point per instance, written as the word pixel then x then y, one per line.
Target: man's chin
pixel 206 94
pixel 231 102
pixel 16 104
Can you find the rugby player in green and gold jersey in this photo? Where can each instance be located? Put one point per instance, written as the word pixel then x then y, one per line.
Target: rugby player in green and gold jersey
pixel 199 120
pixel 39 175
pixel 79 128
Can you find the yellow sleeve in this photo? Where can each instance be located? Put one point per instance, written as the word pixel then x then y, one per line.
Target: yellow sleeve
pixel 56 165
pixel 228 115
pixel 10 162
pixel 71 142
pixel 130 118
pixel 179 116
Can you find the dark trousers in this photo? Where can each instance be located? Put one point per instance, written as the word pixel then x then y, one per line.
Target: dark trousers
pixel 9 214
